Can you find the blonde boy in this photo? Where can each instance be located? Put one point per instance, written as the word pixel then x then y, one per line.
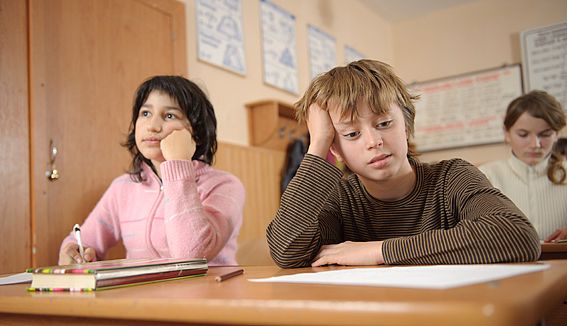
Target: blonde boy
pixel 392 209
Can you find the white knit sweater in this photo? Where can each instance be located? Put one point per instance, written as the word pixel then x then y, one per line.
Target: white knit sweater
pixel 544 203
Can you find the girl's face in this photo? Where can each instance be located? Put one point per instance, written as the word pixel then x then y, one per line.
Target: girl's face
pixel 158 117
pixel 531 139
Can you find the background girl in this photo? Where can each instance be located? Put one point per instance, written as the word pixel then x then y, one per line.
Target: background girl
pixel 531 177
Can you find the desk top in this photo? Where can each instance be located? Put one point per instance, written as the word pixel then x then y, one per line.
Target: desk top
pixel 554 247
pixel 519 300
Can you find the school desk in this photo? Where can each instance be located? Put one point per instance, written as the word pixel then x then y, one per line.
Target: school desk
pixel 553 251
pixel 521 300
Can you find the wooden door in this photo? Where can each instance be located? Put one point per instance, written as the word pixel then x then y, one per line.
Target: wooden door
pixel 15 253
pixel 87 58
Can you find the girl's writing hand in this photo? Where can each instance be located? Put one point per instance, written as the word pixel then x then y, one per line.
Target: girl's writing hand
pixel 69 254
pixel 559 234
pixel 178 145
pixel 350 253
pixel 321 131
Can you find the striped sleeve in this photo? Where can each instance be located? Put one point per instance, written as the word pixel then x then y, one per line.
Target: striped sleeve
pixel 307 216
pixel 487 227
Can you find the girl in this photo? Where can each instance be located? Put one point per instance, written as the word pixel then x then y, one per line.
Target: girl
pixel 532 176
pixel 171 203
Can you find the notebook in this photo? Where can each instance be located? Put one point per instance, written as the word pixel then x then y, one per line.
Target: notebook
pixel 106 274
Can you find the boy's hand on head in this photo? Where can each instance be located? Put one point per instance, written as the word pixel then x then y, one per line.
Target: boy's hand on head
pixel 69 254
pixel 321 131
pixel 178 145
pixel 350 253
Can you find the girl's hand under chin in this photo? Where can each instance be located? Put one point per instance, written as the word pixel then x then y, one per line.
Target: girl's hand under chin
pixel 178 145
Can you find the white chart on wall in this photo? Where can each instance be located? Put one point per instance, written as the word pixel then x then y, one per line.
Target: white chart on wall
pixel 352 54
pixel 279 47
pixel 544 58
pixel 322 51
pixel 220 39
pixel 464 110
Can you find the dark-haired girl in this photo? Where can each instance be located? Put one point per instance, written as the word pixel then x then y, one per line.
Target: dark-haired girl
pixel 171 203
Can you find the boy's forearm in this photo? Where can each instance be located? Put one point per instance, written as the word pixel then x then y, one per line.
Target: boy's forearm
pixel 480 242
pixel 318 149
pixel 293 236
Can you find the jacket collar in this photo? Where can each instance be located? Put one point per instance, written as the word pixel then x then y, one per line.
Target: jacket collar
pixel 524 171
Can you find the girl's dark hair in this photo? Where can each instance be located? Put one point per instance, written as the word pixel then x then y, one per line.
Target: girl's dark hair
pixel 196 106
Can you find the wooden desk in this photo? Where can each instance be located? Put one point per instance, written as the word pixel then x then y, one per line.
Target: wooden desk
pixel 520 300
pixel 553 251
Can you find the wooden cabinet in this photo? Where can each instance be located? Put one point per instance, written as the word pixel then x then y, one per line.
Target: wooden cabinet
pixel 272 125
pixel 82 61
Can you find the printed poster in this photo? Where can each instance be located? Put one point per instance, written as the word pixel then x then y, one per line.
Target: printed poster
pixel 322 51
pixel 279 47
pixel 464 110
pixel 351 55
pixel 544 58
pixel 220 39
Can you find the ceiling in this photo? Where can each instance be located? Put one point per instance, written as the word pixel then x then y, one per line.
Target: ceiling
pixel 397 10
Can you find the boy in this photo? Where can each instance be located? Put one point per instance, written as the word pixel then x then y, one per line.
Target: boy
pixel 392 209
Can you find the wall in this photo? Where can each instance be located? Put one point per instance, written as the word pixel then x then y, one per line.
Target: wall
pixel 348 21
pixel 463 38
pixel 469 37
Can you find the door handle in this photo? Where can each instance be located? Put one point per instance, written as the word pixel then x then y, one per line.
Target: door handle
pixel 52 174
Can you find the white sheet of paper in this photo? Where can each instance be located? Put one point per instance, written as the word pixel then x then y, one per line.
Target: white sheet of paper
pixel 16 278
pixel 424 277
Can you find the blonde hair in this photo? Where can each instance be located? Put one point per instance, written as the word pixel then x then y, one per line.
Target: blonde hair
pixel 370 81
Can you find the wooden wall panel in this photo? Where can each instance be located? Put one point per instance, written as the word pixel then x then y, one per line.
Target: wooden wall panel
pixel 260 171
pixel 15 250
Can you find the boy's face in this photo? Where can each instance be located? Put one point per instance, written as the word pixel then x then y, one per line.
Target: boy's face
pixel 372 146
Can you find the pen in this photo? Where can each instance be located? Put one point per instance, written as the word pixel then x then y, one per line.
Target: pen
pixel 226 276
pixel 77 232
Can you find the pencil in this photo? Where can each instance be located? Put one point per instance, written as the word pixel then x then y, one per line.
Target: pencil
pixel 226 276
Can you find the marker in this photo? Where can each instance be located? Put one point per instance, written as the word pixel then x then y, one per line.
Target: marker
pixel 77 232
pixel 226 276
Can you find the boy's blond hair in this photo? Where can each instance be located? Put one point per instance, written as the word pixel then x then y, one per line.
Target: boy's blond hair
pixel 370 81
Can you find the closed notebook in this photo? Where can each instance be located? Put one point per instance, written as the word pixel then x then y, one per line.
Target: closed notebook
pixel 106 274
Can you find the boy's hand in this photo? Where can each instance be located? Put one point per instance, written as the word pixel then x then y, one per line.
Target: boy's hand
pixel 70 254
pixel 178 145
pixel 321 131
pixel 350 253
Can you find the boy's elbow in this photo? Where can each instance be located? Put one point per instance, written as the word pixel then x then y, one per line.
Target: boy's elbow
pixel 531 248
pixel 283 258
pixel 288 262
pixel 534 249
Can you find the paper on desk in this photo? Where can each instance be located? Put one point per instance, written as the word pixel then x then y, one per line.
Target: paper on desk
pixel 424 277
pixel 16 278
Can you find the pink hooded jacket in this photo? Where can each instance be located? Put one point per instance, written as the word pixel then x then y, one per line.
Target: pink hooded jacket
pixel 196 212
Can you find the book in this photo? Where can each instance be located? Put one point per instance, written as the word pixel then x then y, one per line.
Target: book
pixel 106 274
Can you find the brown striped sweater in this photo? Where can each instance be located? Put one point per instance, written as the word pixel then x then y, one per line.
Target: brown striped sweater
pixel 452 216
